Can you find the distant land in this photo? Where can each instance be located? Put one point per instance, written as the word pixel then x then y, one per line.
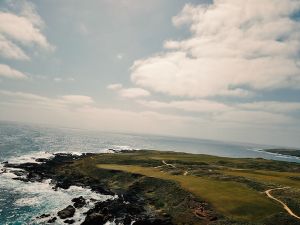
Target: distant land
pixel 159 187
pixel 287 152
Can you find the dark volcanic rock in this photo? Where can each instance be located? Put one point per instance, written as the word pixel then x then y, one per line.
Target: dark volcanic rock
pixel 122 212
pixel 24 166
pixel 94 219
pixel 79 202
pixel 64 184
pixel 127 220
pixel 30 177
pixel 34 177
pixel 66 212
pixel 43 216
pixel 20 173
pixel 101 189
pixel 41 160
pixel 3 171
pixel 52 220
pixel 69 221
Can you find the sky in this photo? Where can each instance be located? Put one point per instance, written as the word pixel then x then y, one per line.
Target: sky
pixel 222 69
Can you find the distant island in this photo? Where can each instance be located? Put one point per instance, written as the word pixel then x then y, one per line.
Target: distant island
pixel 287 152
pixel 159 187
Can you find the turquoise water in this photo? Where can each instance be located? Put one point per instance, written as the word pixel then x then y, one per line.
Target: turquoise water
pixel 21 202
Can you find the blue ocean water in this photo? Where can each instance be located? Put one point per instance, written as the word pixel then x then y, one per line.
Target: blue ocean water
pixel 21 202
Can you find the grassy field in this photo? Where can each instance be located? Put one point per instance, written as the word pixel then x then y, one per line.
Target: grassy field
pixel 230 198
pixel 279 178
pixel 233 187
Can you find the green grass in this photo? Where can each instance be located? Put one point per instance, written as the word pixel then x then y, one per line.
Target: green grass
pixel 230 198
pixel 216 180
pixel 279 178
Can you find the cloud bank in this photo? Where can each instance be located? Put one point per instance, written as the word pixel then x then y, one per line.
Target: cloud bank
pixel 223 81
pixel 20 34
pixel 128 92
pixel 8 72
pixel 237 48
pixel 21 27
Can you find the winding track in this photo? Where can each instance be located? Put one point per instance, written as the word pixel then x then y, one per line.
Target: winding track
pixel 167 164
pixel 268 192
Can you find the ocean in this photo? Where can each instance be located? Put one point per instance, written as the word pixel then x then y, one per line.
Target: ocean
pixel 21 203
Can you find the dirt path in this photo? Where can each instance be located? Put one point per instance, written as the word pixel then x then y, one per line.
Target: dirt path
pixel 268 192
pixel 167 164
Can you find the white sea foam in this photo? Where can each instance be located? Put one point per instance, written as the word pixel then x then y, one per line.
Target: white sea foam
pixel 255 149
pixel 41 196
pixel 31 157
pixel 8 174
pixel 122 147
pixel 275 155
pixel 44 198
pixel 27 201
pixel 278 155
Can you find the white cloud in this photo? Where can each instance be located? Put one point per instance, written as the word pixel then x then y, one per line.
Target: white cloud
pixel 61 79
pixel 28 10
pixel 236 46
pixel 114 86
pixel 133 93
pixel 24 95
pixel 19 29
pixel 8 72
pixel 202 106
pixel 128 92
pixel 120 56
pixel 254 118
pixel 57 79
pixel 93 117
pixel 9 50
pixel 65 111
pixel 272 106
pixel 211 107
pixel 248 126
pixel 22 30
pixel 42 101
pixel 77 99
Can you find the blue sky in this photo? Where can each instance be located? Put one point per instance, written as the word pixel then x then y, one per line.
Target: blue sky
pixel 223 69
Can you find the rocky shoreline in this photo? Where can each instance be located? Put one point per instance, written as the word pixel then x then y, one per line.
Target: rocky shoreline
pixel 125 209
